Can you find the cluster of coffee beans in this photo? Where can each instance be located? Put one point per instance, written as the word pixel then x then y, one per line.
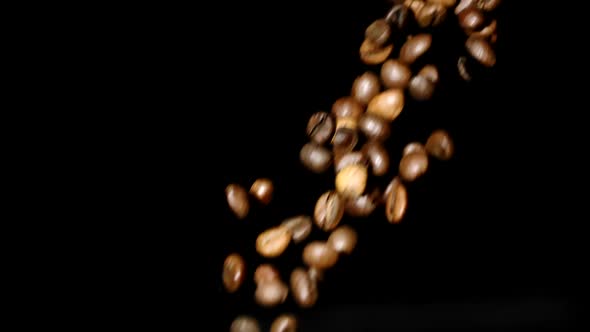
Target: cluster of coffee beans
pixel 350 139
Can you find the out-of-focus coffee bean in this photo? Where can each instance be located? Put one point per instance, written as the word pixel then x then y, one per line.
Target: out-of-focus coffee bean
pixel 395 74
pixel 414 47
pixel 488 5
pixel 413 147
pixel 300 227
pixel 430 14
pixel 365 87
pixel 396 201
pixel 265 272
pixel 446 3
pixel 398 16
pixel 481 50
pixel 315 157
pixel 303 288
pixel 487 31
pixel 284 323
pixel 272 242
pixel 271 293
pixel 471 19
pixel 374 127
pixel 347 107
pixel 328 210
pixel 320 255
pixel 464 4
pixel 347 122
pixel 388 104
pixel 373 54
pixel 234 271
pixel 345 139
pixel 244 323
pixel 429 72
pixel 320 127
pixel 349 158
pixel 440 145
pixel 378 157
pixel 343 239
pixel 237 199
pixel 316 275
pixel 351 180
pixel 421 88
pixel 262 190
pixel 378 32
pixel 413 165
pixel 362 206
pixel 462 68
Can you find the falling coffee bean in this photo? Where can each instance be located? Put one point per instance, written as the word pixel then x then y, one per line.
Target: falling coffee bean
pixel 462 68
pixel 421 88
pixel 316 275
pixel 464 4
pixel 430 14
pixel 413 165
pixel 413 147
pixel 300 227
pixel 234 270
pixel 362 206
pixel 237 199
pixel 430 73
pixel 396 201
pixel 488 5
pixel 481 50
pixel 271 293
pixel 398 16
pixel 272 242
pixel 374 127
pixel 320 255
pixel 284 323
pixel 328 210
pixel 440 145
pixel 471 19
pixel 365 87
pixel 378 157
pixel 320 127
pixel 378 32
pixel 351 180
pixel 445 3
pixel 262 190
pixel 303 288
pixel 343 239
pixel 388 104
pixel 244 324
pixel 345 139
pixel 373 54
pixel 487 31
pixel 265 272
pixel 395 74
pixel 414 47
pixel 349 158
pixel 346 122
pixel 347 107
pixel 315 157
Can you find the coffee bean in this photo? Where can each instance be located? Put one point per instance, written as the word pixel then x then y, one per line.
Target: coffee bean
pixel 244 324
pixel 430 73
pixel 237 199
pixel 481 50
pixel 398 16
pixel 378 32
pixel 234 270
pixel 388 104
pixel 396 201
pixel 488 5
pixel 395 74
pixel 421 88
pixel 440 145
pixel 413 165
pixel 303 288
pixel 271 293
pixel 471 19
pixel 347 122
pixel 486 32
pixel 351 180
pixel 349 158
pixel 362 206
pixel 262 190
pixel 345 139
pixel 430 14
pixel 300 227
pixel 320 255
pixel 343 239
pixel 374 127
pixel 320 127
pixel 347 107
pixel 365 87
pixel 446 3
pixel 316 275
pixel 265 272
pixel 413 147
pixel 373 54
pixel 462 68
pixel 284 323
pixel 272 242
pixel 328 211
pixel 315 158
pixel 414 47
pixel 464 4
pixel 378 157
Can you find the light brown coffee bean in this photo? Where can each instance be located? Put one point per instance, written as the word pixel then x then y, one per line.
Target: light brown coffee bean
pixel 486 32
pixel 316 275
pixel 481 50
pixel 378 32
pixel 303 288
pixel 300 227
pixel 362 206
pixel 265 272
pixel 373 54
pixel 378 157
pixel 272 242
pixel 244 323
pixel 365 87
pixel 343 239
pixel 347 122
pixel 320 255
pixel 271 293
pixel 446 3
pixel 414 47
pixel 421 88
pixel 345 139
pixel 413 147
pixel 349 158
pixel 430 73
pixel 234 271
pixel 388 104
pixel 413 165
pixel 328 210
pixel 284 323
pixel 440 145
pixel 395 74
pixel 351 180
pixel 237 199
pixel 320 127
pixel 315 157
pixel 396 201
pixel 374 127
pixel 431 14
pixel 488 5
pixel 347 107
pixel 262 190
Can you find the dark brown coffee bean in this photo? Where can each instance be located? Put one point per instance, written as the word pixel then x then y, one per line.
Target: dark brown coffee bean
pixel 374 127
pixel 265 272
pixel 237 199
pixel 351 180
pixel 413 147
pixel 398 16
pixel 303 288
pixel 347 107
pixel 271 293
pixel 421 88
pixel 272 242
pixel 362 206
pixel 349 158
pixel 244 324
pixel 345 139
pixel 343 239
pixel 315 157
pixel 234 270
pixel 471 19
pixel 440 145
pixel 395 74
pixel 413 165
pixel 462 68
pixel 378 157
pixel 365 87
pixel 373 54
pixel 464 4
pixel 320 127
pixel 316 275
pixel 320 255
pixel 378 32
pixel 430 73
pixel 300 227
pixel 487 32
pixel 488 5
pixel 481 50
pixel 414 47
pixel 284 323
pixel 388 104
pixel 396 201
pixel 262 190
pixel 328 210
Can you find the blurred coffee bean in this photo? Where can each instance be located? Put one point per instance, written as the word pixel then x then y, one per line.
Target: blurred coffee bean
pixel 365 87
pixel 265 272
pixel 303 288
pixel 429 72
pixel 396 201
pixel 430 14
pixel 315 157
pixel 374 127
pixel 320 255
pixel 351 180
pixel 373 54
pixel 421 88
pixel 320 127
pixel 237 199
pixel 347 107
pixel 413 147
pixel 347 122
pixel 481 50
pixel 262 190
pixel 440 145
pixel 234 270
pixel 300 227
pixel 345 139
pixel 362 206
pixel 399 16
pixel 413 165
pixel 316 275
pixel 486 32
pixel 272 242
pixel 395 74
pixel 284 323
pixel 343 239
pixel 388 104
pixel 271 293
pixel 378 157
pixel 445 3
pixel 462 68
pixel 378 32
pixel 414 47
pixel 464 4
pixel 349 158
pixel 328 210
pixel 471 19
pixel 244 323
pixel 488 5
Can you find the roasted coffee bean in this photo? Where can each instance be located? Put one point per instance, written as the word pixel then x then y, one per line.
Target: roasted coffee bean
pixel 265 272
pixel 414 47
pixel 378 32
pixel 237 199
pixel 373 54
pixel 316 275
pixel 431 14
pixel 398 16
pixel 365 87
pixel 271 293
pixel 413 147
pixel 272 242
pixel 315 157
pixel 445 3
pixel 421 88
pixel 345 139
pixel 413 165
pixel 481 50
pixel 320 255
pixel 488 5
pixel 396 201
pixel 429 72
pixel 320 127
pixel 262 190
pixel 328 210
pixel 440 145
pixel 347 107
pixel 300 227
pixel 378 157
pixel 244 324
pixel 234 270
pixel 374 127
pixel 351 180
pixel 362 206
pixel 487 32
pixel 464 4
pixel 347 122
pixel 343 239
pixel 388 104
pixel 462 68
pixel 284 323
pixel 471 19
pixel 303 288
pixel 349 158
pixel 395 74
